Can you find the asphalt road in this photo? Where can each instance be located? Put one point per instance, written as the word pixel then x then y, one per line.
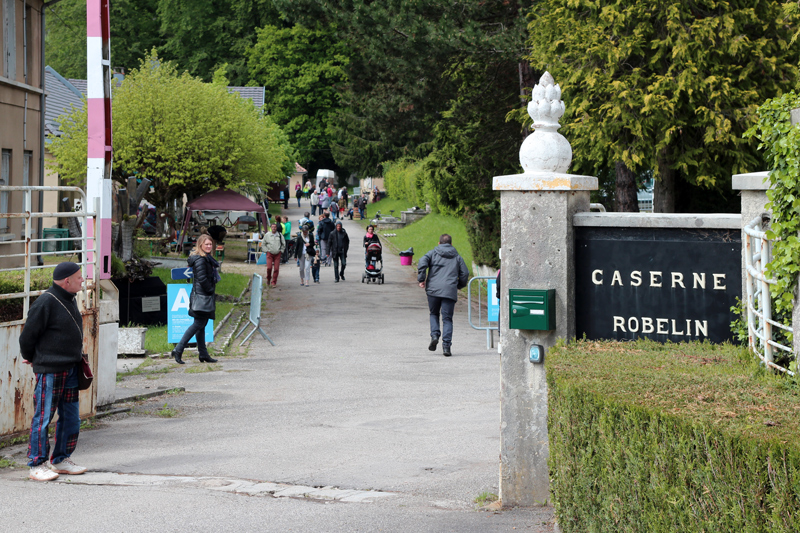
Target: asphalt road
pixel 350 398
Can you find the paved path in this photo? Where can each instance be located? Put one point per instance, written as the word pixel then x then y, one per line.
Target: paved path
pixel 348 424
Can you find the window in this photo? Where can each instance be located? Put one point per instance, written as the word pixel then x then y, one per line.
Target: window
pixel 27 159
pixel 9 39
pixel 5 179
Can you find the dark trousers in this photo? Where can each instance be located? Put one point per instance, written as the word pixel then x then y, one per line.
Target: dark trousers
pixel 313 210
pixel 445 307
pixel 197 330
pixel 336 270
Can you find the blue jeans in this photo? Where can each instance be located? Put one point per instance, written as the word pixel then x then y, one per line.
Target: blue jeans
pixel 197 330
pixel 57 392
pixel 446 306
pixel 362 212
pixel 313 210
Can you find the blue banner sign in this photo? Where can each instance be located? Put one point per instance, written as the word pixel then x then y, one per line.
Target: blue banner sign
pixel 493 311
pixel 181 273
pixel 178 319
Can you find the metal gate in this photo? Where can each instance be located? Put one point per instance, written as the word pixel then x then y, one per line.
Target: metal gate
pixel 758 253
pixel 17 380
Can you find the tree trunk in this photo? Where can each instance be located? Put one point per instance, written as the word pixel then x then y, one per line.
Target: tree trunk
pixel 664 188
pixel 625 196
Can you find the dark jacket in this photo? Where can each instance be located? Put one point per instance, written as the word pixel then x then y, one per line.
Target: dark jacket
pixel 300 244
pixel 325 228
pixel 446 272
pixel 50 339
pixel 368 240
pixel 204 286
pixel 339 243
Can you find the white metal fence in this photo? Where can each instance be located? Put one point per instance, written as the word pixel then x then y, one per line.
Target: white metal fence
pixel 760 324
pixel 28 254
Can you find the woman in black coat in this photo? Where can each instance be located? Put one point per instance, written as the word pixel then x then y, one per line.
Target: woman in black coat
pixel 202 305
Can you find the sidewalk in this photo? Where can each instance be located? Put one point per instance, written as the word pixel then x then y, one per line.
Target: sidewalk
pixel 348 424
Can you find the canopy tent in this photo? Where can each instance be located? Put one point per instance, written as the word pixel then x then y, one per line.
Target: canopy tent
pixel 220 200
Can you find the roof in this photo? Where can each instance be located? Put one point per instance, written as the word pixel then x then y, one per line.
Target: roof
pixel 79 84
pixel 256 94
pixel 298 168
pixel 61 95
pixel 224 200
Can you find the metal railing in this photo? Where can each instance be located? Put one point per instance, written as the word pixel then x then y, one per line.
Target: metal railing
pixel 29 253
pixel 760 324
pixel 483 323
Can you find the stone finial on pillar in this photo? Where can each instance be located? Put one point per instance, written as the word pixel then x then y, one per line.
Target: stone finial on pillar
pixel 545 150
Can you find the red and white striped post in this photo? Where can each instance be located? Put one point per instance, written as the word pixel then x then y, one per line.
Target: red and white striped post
pixel 98 172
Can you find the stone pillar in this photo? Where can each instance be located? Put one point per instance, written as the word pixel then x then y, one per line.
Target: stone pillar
pixel 537 253
pixel 753 187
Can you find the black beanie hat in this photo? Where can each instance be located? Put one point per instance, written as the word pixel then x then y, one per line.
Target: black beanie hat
pixel 65 270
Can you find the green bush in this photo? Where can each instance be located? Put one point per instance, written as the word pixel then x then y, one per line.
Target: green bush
pixel 675 437
pixel 13 282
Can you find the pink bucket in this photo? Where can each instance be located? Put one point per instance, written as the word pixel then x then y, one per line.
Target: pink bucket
pixel 406 260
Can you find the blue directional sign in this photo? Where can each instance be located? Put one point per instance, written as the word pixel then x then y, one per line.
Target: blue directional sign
pixel 493 303
pixel 181 273
pixel 178 319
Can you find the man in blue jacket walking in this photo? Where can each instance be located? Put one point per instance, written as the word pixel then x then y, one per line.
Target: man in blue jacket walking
pixel 441 273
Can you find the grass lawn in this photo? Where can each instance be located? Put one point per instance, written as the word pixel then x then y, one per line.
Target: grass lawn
pixel 423 235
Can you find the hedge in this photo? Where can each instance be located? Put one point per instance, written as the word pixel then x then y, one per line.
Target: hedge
pixel 646 437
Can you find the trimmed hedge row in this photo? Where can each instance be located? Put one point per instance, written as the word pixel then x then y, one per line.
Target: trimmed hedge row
pixel 650 438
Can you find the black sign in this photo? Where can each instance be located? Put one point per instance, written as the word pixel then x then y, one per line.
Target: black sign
pixel 661 283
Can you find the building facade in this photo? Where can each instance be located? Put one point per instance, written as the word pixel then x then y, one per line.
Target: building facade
pixel 21 118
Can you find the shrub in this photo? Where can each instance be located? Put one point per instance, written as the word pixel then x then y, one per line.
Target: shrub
pixel 674 437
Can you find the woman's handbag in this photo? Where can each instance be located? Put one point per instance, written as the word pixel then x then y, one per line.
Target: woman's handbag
pixel 203 303
pixel 85 376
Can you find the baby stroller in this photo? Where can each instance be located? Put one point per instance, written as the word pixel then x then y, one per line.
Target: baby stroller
pixel 374 264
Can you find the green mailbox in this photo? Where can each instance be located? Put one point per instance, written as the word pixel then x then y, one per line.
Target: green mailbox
pixel 532 309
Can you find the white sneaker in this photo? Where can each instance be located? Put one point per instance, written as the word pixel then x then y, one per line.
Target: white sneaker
pixel 42 473
pixel 67 467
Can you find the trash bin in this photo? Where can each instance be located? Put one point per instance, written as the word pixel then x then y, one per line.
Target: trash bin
pixel 406 257
pixel 50 236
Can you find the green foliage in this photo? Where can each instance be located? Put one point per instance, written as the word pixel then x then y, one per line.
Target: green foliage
pixel 14 282
pixel 300 69
pixel 184 135
pixel 781 142
pixel 662 438
pixel 166 412
pixel 399 50
pixel 69 150
pixel 202 35
pixel 117 266
pixel 664 85
pixel 483 231
pixel 134 31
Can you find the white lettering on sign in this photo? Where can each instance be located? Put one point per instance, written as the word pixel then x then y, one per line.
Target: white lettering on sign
pixel 662 326
pixel 655 278
pixel 678 279
pixel 181 300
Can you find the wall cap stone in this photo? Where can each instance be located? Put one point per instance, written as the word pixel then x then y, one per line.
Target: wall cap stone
pixel 753 181
pixel 659 220
pixel 544 181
